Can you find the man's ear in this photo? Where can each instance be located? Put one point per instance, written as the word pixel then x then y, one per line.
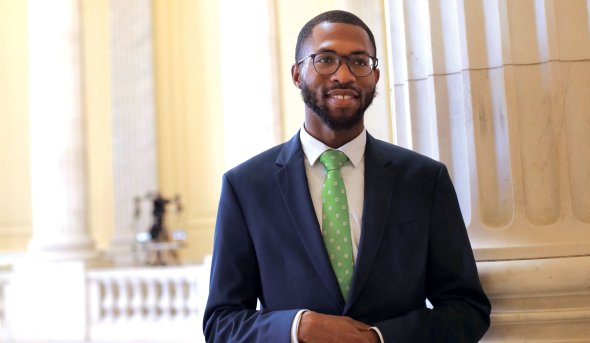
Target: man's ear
pixel 377 73
pixel 296 75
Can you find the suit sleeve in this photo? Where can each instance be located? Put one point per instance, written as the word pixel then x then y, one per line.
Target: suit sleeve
pixel 230 314
pixel 461 310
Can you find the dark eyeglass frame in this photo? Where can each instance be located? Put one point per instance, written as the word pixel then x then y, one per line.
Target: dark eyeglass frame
pixel 374 59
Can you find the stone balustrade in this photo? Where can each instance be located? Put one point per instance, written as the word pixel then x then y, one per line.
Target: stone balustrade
pixel 156 304
pixel 161 304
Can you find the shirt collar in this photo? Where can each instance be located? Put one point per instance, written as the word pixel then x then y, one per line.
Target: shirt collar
pixel 313 148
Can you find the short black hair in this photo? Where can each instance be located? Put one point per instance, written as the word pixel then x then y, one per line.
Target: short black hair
pixel 336 16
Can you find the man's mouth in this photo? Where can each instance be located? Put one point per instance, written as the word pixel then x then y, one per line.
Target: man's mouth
pixel 343 93
pixel 343 97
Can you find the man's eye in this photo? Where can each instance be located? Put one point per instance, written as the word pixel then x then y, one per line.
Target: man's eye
pixel 360 61
pixel 324 59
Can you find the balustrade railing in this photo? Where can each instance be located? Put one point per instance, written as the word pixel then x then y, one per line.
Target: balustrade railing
pixel 156 304
pixel 134 304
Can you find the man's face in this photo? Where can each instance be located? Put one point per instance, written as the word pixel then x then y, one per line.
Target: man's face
pixel 338 100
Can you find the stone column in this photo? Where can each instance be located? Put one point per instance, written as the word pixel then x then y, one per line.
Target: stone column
pixel 46 296
pixel 133 120
pixel 499 91
pixel 57 138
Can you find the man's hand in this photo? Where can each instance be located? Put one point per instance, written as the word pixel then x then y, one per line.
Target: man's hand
pixel 372 336
pixel 317 327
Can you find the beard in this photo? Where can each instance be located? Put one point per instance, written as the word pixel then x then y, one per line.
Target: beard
pixel 332 121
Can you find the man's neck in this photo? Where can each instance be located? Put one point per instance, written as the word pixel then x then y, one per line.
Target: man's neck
pixel 333 138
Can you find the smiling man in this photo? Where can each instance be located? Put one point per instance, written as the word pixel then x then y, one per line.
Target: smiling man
pixel 340 236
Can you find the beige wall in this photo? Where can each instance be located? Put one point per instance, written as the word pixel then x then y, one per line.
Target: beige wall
pixel 188 103
pixel 97 108
pixel 188 97
pixel 15 198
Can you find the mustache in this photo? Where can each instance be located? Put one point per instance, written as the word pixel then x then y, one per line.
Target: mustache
pixel 347 85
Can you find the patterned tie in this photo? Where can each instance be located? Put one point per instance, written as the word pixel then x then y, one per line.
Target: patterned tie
pixel 335 225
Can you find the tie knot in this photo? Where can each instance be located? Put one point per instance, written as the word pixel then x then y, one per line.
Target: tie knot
pixel 333 159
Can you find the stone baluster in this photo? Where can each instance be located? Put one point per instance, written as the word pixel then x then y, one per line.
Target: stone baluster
pixel 177 295
pixel 109 301
pixel 94 300
pixel 123 298
pixel 189 303
pixel 152 299
pixel 136 301
pixel 165 302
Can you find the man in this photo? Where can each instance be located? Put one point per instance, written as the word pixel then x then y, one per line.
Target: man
pixel 340 236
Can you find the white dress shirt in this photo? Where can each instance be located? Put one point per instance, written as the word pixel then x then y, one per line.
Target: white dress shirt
pixel 353 173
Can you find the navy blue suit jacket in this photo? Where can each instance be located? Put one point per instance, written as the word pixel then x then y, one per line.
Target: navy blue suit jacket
pixel 413 246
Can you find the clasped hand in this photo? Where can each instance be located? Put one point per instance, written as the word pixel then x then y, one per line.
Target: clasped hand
pixel 318 327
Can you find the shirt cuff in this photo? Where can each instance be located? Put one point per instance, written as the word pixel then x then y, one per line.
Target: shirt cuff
pixel 295 326
pixel 376 329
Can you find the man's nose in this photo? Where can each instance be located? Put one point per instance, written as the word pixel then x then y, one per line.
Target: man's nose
pixel 343 74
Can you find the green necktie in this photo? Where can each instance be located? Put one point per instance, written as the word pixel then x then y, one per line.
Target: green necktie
pixel 335 220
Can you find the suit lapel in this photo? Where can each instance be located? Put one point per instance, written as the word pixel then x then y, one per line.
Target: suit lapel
pixel 379 184
pixel 292 182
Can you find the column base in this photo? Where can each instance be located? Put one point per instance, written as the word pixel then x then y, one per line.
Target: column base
pixel 538 299
pixel 59 251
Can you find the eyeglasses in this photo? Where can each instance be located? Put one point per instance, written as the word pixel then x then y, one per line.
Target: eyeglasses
pixel 327 63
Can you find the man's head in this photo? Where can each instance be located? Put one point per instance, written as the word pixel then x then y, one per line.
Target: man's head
pixel 336 71
pixel 341 17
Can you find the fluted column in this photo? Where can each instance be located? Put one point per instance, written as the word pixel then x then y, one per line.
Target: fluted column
pixel 47 290
pixel 525 105
pixel 133 121
pixel 58 170
pixel 498 90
